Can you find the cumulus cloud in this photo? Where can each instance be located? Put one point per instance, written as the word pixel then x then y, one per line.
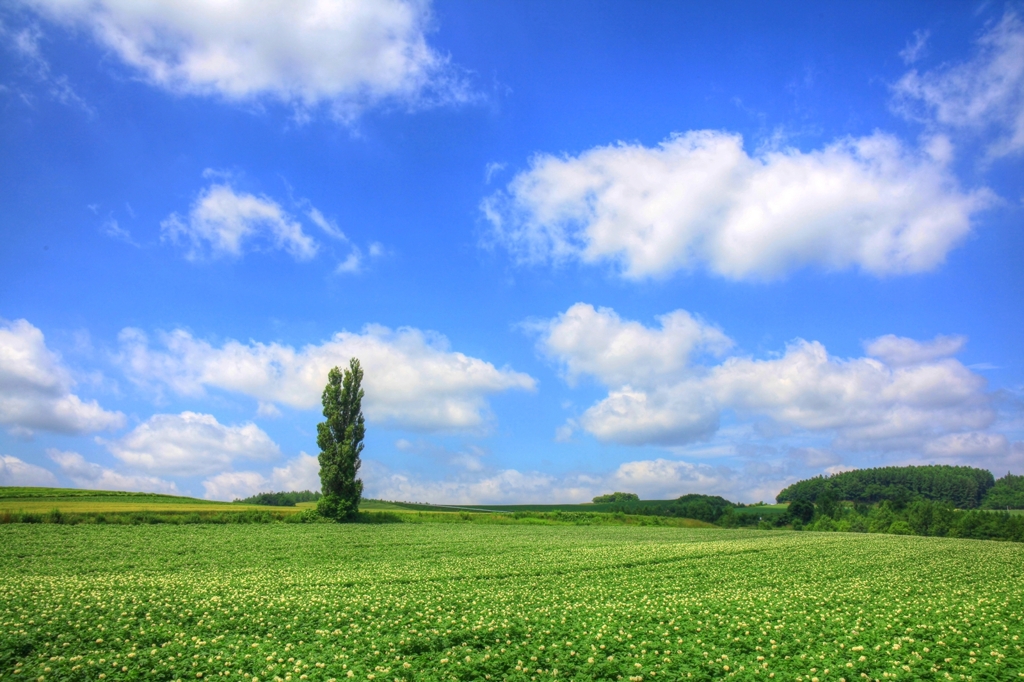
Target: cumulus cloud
pixel 189 444
pixel 665 479
pixel 897 351
pixel 36 387
pixel 413 380
pixel 699 199
pixel 909 394
pixel 984 94
pixel 95 477
pixel 343 54
pixel 669 415
pixel 224 222
pixel 15 472
pixel 300 473
pixel 650 479
pixel 597 342
pixel 866 402
pixel 508 486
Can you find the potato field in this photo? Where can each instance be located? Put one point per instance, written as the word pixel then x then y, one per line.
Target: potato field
pixel 288 602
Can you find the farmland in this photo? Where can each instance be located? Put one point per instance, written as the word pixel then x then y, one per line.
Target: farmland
pixel 92 502
pixel 72 506
pixel 517 602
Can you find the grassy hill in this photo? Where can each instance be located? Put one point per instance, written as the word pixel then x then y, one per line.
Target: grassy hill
pixel 76 501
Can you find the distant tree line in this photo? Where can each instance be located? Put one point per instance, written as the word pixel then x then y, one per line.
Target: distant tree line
pixel 940 501
pixel 919 517
pixel 707 508
pixel 616 497
pixel 888 500
pixel 282 499
pixel 960 486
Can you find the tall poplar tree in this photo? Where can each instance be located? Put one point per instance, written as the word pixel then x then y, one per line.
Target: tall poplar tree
pixel 340 439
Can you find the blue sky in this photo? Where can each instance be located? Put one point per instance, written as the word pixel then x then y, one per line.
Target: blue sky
pixel 578 247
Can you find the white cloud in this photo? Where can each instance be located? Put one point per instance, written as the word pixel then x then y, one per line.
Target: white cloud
pixel 355 262
pixel 189 444
pixel 970 444
pixel 24 42
pixel 300 473
pixel 112 229
pixel 508 486
pixel 491 169
pixel 564 433
pixel 816 458
pixel 235 485
pixel 352 264
pixel 650 479
pixel 412 378
pixel 670 415
pixel 345 54
pixel 15 472
pixel 915 48
pixel 866 402
pixel 699 200
pixel 269 410
pixel 468 458
pixel 984 94
pixel 95 477
pixel 912 394
pixel 746 480
pixel 225 222
pixel 668 479
pixel 35 387
pixel 328 226
pixel 898 351
pixel 616 351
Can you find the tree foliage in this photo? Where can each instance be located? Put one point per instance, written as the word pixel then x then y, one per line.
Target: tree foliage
pixel 340 438
pixel 920 517
pixel 802 510
pixel 617 497
pixel 1007 493
pixel 281 499
pixel 961 486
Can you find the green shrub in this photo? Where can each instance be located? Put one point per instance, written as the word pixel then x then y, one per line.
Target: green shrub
pixel 900 528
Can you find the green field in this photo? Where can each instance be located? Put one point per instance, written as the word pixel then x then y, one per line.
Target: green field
pixel 39 505
pixel 517 602
pixel 73 501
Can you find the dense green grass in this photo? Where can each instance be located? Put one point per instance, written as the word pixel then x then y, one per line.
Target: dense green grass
pixel 515 602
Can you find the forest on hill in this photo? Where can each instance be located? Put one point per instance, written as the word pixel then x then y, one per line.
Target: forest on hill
pixel 941 501
pixel 961 486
